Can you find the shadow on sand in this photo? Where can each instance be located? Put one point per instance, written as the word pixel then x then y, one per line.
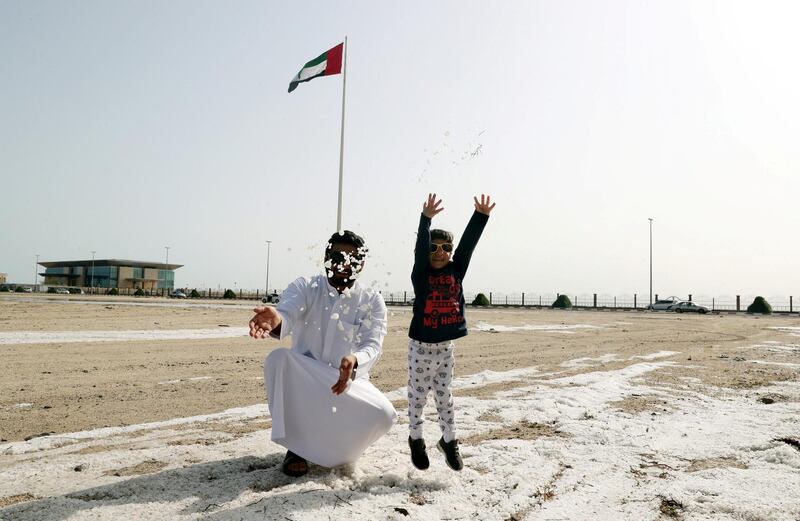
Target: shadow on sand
pixel 208 487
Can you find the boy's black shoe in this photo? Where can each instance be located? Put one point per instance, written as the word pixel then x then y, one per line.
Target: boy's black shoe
pixel 451 455
pixel 418 455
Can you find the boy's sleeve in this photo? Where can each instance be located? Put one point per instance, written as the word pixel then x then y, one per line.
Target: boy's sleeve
pixel 293 305
pixel 370 337
pixel 469 240
pixel 421 250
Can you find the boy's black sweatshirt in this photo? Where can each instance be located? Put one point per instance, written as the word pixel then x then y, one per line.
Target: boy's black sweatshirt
pixel 438 295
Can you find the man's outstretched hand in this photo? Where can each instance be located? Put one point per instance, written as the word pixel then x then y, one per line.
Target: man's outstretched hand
pixel 266 320
pixel 345 372
pixel 485 206
pixel 431 206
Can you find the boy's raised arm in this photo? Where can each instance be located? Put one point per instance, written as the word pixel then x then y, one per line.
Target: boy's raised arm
pixel 422 249
pixel 475 226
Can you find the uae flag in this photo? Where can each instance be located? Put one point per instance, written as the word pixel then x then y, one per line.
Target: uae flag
pixel 326 64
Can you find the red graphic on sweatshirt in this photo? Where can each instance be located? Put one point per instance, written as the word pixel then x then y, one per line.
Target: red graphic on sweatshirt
pixel 437 304
pixel 442 303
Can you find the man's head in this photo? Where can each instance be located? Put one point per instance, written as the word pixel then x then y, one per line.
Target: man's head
pixel 344 258
pixel 441 248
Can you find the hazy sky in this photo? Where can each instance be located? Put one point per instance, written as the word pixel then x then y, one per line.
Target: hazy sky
pixel 129 126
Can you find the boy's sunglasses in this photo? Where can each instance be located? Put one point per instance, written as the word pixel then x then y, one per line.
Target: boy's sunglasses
pixel 446 247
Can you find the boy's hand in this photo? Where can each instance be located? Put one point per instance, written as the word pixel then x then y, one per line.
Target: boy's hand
pixel 485 206
pixel 431 206
pixel 265 320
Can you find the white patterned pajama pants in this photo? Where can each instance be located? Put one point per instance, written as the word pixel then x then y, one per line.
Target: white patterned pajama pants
pixel 430 369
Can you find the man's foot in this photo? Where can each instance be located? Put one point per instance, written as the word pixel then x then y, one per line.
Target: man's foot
pixel 418 455
pixel 293 465
pixel 451 455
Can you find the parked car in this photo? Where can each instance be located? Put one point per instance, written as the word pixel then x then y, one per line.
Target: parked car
pixel 177 294
pixel 62 291
pixel 665 304
pixel 24 289
pixel 273 298
pixel 76 291
pixel 689 307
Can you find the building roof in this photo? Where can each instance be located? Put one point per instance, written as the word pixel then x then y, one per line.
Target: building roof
pixel 110 262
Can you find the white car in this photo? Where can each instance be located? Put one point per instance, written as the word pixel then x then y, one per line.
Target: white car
pixel 689 307
pixel 665 304
pixel 273 298
pixel 178 294
pixel 62 291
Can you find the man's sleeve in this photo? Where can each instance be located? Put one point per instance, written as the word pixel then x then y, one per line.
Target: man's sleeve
pixel 421 250
pixel 469 240
pixel 369 339
pixel 293 305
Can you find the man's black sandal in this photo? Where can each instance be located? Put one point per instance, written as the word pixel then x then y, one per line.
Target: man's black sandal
pixel 451 455
pixel 418 455
pixel 293 459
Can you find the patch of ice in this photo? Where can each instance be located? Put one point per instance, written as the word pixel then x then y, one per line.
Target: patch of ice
pixel 588 361
pixel 794 331
pixel 764 362
pixel 93 302
pixel 483 326
pixel 719 456
pixel 653 356
pixel 193 379
pixel 775 347
pixel 479 379
pixel 56 440
pixel 69 337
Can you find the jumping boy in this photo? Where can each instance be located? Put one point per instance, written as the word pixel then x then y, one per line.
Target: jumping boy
pixel 438 320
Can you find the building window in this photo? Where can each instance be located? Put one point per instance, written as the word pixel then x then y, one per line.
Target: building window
pixel 166 279
pixel 102 276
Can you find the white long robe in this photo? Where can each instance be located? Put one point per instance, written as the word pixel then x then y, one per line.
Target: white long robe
pixel 307 418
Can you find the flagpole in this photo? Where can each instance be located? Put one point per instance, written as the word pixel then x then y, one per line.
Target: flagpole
pixel 341 142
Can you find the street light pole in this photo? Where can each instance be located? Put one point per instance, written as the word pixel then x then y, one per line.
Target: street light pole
pixel 92 283
pixel 36 274
pixel 266 289
pixel 165 267
pixel 651 260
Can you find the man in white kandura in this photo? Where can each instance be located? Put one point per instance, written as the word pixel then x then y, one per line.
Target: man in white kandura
pixel 324 409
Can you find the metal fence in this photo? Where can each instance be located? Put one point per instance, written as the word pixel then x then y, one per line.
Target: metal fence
pixel 162 292
pixel 634 301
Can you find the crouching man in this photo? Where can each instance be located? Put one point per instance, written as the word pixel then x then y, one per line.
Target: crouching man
pixel 324 408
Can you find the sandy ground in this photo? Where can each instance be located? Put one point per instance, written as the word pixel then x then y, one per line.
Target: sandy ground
pixel 563 415
pixel 72 386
